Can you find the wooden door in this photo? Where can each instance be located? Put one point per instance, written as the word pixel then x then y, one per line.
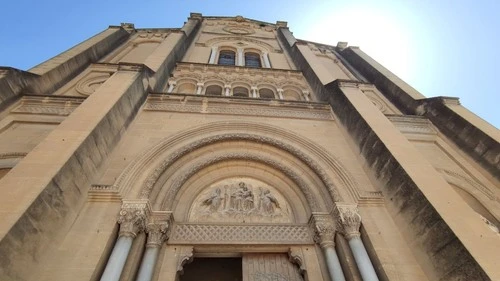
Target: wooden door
pixel 269 267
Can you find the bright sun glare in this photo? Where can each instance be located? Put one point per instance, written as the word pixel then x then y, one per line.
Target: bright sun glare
pixel 378 33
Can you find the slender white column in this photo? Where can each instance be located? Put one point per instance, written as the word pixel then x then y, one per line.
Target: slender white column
pixel 280 93
pixel 254 92
pixel 148 264
pixel 306 95
pixel 362 259
pixel 228 90
pixel 131 220
pixel 199 89
pixel 333 264
pixel 350 220
pixel 267 63
pixel 117 259
pixel 157 234
pixel 240 61
pixel 213 55
pixel 325 234
pixel 171 87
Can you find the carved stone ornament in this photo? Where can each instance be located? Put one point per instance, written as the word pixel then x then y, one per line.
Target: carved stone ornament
pixel 296 256
pixel 348 219
pixel 324 229
pixel 157 233
pixel 184 256
pixel 240 200
pixel 132 218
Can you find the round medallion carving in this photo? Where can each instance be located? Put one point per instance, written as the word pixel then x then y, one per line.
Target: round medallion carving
pixel 88 86
pixel 240 200
pixel 240 30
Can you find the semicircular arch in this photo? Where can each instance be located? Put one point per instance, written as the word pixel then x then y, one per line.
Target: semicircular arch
pixel 161 156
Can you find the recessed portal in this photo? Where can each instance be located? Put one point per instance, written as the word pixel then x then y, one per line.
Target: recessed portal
pixel 220 269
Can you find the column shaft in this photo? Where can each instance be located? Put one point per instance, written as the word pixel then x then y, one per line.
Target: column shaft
pixel 333 264
pixel 148 264
pixel 240 60
pixel 267 63
pixel 213 55
pixel 117 260
pixel 363 261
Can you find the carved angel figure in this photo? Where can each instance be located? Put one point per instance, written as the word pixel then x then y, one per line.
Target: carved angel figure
pixel 269 202
pixel 214 201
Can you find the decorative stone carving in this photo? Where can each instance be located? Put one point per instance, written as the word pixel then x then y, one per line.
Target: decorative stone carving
pixel 47 105
pixel 88 86
pixel 132 218
pixel 348 219
pixel 413 125
pixel 213 234
pixel 178 182
pixel 240 200
pixel 296 256
pixel 324 229
pixel 152 178
pixel 157 233
pixel 184 257
pixel 249 108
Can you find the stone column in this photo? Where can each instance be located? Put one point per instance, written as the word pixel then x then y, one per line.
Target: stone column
pixel 280 93
pixel 171 86
pixel 213 55
pixel 324 228
pixel 240 59
pixel 254 92
pixel 228 90
pixel 199 88
pixel 267 63
pixel 306 94
pixel 349 222
pixel 157 234
pixel 132 220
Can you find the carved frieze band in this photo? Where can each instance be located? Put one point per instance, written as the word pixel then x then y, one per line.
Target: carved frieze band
pixel 47 105
pixel 240 234
pixel 199 105
pixel 413 125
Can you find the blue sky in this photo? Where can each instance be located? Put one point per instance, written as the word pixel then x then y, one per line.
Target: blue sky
pixel 440 47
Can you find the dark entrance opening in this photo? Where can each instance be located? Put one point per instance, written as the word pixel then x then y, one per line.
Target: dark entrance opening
pixel 220 269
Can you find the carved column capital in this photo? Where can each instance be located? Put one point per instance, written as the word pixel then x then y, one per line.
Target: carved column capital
pixel 324 229
pixel 132 217
pixel 158 228
pixel 157 233
pixel 348 219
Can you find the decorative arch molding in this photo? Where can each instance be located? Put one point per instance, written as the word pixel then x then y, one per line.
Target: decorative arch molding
pixel 218 131
pixel 468 184
pixel 172 158
pixel 10 159
pixel 176 185
pixel 85 86
pixel 225 39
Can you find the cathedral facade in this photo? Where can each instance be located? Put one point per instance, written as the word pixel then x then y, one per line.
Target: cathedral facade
pixel 228 149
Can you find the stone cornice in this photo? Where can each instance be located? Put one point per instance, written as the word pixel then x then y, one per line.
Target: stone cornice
pixel 239 106
pixel 47 105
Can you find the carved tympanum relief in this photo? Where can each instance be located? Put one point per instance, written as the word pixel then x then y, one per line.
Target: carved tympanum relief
pixel 240 200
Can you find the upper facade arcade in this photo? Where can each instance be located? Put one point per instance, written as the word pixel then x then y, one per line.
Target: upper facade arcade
pixel 220 80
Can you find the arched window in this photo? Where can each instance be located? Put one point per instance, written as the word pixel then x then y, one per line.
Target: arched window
pixel 186 88
pixel 227 57
pixel 266 93
pixel 291 95
pixel 213 90
pixel 252 60
pixel 240 92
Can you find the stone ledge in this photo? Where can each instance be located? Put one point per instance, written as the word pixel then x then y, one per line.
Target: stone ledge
pixel 239 106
